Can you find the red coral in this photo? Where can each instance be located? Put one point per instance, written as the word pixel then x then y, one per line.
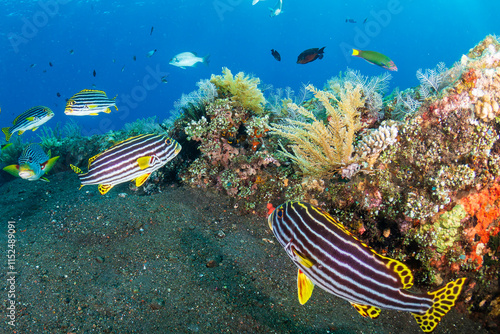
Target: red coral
pixel 470 77
pixel 485 206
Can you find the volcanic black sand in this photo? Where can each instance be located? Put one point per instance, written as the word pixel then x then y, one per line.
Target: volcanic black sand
pixel 180 261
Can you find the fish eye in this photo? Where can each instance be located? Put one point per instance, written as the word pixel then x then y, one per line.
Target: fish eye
pixel 279 213
pixel 168 141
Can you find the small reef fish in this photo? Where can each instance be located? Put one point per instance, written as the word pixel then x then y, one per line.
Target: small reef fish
pixel 350 21
pixel 134 58
pixel 71 51
pixel 277 10
pixel 150 53
pixel 31 119
pixel 94 73
pixel 310 55
pixel 276 55
pixel 50 64
pixel 375 58
pixel 89 102
pixel 164 79
pixel 151 32
pixel 33 164
pixel 132 159
pixel 329 256
pixel 188 59
pixel 254 2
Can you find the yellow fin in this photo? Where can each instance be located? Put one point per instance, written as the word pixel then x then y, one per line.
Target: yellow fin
pixel 92 106
pixel 104 188
pixel 49 164
pixel 304 287
pixel 7 133
pixel 303 260
pixel 444 299
pixel 404 273
pixel 141 179
pixel 367 310
pixel 107 111
pixel 20 132
pixel 93 114
pixel 34 128
pixel 355 52
pixel 44 179
pixel 12 170
pixel 30 118
pixel 91 160
pixel 76 169
pixel 115 104
pixel 144 162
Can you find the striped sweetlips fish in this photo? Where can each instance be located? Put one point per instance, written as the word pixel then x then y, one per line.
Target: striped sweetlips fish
pixel 31 119
pixel 33 164
pixel 328 255
pixel 132 159
pixel 89 102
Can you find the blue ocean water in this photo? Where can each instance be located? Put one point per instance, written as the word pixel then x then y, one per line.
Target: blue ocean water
pixel 78 37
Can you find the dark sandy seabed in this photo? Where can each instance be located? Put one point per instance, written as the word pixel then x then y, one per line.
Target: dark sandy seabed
pixel 180 261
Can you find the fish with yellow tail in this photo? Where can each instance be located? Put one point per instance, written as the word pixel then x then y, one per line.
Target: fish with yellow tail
pixel 31 119
pixel 33 164
pixel 133 159
pixel 329 256
pixel 89 102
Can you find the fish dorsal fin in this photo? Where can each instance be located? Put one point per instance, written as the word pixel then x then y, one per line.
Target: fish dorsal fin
pixel 92 91
pixel 92 159
pixel 403 272
pixel 367 311
pixel 104 188
pixel 123 141
pixel 304 287
pixel 443 300
pixel 141 179
pixel 144 162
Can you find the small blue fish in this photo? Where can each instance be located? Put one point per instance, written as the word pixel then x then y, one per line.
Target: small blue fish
pixel 33 164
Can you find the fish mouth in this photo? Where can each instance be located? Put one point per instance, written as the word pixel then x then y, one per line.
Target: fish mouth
pixel 68 111
pixel 26 174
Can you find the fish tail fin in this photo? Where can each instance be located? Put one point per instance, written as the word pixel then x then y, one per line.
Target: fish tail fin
pixel 76 169
pixel 443 300
pixel 7 133
pixel 50 164
pixel 206 60
pixel 355 52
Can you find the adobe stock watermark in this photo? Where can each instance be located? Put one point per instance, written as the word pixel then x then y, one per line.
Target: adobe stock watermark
pixel 377 20
pixel 31 27
pixel 127 102
pixel 223 6
pixel 11 273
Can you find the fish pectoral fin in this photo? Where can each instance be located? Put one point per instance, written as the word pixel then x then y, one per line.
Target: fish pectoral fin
pixel 49 164
pixel 443 300
pixel 367 311
pixel 104 188
pixel 92 106
pixel 31 119
pixel 304 287
pixel 302 259
pixel 144 162
pixel 12 170
pixel 141 179
pixel 44 179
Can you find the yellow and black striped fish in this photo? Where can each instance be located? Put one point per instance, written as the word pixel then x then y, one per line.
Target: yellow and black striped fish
pixel 329 256
pixel 89 102
pixel 31 119
pixel 132 159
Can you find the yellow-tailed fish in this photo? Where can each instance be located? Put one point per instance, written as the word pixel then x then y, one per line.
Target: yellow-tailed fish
pixel 375 58
pixel 132 159
pixel 89 102
pixel 33 164
pixel 329 256
pixel 31 119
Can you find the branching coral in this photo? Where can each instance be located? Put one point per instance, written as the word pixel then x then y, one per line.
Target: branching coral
pixel 432 80
pixel 321 149
pixel 241 88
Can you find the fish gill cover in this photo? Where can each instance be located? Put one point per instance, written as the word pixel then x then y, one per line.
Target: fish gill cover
pixel 407 161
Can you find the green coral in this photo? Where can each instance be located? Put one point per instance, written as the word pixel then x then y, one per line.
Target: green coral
pixel 446 229
pixel 240 88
